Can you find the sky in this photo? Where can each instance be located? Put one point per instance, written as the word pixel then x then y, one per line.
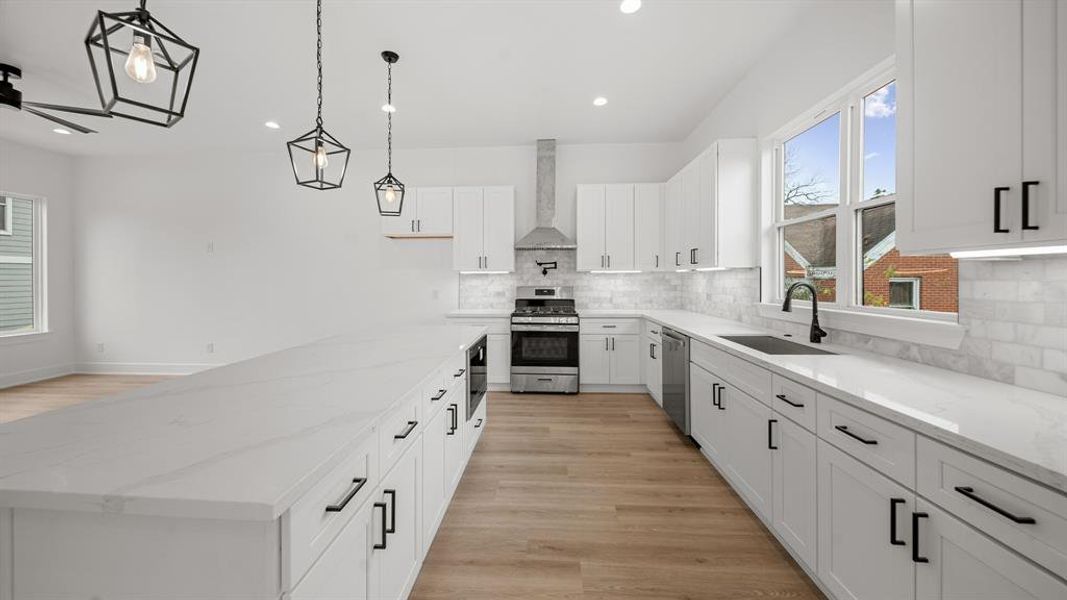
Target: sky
pixel 815 153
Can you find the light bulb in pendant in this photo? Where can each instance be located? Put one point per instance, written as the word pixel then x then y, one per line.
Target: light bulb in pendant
pixel 139 64
pixel 390 194
pixel 321 161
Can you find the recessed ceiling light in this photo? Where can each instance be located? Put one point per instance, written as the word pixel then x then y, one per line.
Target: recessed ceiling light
pixel 600 101
pixel 61 131
pixel 272 125
pixel 389 108
pixel 629 7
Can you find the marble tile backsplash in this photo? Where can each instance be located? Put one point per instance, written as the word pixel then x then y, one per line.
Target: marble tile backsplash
pixel 1015 312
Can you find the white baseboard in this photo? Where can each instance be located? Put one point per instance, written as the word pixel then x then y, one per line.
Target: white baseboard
pixel 117 368
pixel 32 375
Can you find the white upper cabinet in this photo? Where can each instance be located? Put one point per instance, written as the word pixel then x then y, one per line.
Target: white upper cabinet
pixel 605 227
pixel 980 174
pixel 673 238
pixel 427 212
pixel 484 238
pixel 648 227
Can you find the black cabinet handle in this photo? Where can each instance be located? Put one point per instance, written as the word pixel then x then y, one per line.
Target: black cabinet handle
pixel 720 390
pixel 478 424
pixel 969 492
pixel 692 256
pixel 996 209
pixel 652 351
pixel 1026 205
pixel 407 431
pixel 608 326
pixel 893 502
pixel 845 431
pixel 915 537
pixel 770 434
pixel 385 534
pixel 359 483
pixel 460 373
pixel 657 261
pixel 418 225
pixel 677 259
pixel 440 394
pixel 612 343
pixel 715 394
pixel 788 401
pixel 392 518
pixel 452 408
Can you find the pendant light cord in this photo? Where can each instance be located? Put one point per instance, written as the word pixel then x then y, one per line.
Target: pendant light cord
pixel 318 58
pixel 389 119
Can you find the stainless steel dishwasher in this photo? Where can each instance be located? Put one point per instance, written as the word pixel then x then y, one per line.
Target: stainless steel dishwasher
pixel 676 378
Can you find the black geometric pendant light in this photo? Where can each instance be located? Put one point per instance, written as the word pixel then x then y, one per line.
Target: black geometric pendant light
pixel 389 189
pixel 319 160
pixel 143 70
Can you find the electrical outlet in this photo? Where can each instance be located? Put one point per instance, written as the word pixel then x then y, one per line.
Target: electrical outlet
pixel 211 347
pixel 100 347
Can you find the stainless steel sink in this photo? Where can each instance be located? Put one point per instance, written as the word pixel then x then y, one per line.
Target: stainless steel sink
pixel 768 344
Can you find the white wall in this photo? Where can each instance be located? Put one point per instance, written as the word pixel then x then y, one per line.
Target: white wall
pixel 827 50
pixel 288 265
pixel 31 171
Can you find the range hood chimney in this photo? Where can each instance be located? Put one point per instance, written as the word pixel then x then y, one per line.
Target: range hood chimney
pixel 545 236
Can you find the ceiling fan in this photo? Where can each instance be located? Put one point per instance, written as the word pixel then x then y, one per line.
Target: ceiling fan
pixel 12 98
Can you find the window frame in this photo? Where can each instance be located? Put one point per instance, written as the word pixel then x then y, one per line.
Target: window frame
pixel 848 102
pixel 39 260
pixel 916 291
pixel 8 212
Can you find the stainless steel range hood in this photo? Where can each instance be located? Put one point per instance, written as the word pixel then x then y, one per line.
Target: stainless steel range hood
pixel 545 236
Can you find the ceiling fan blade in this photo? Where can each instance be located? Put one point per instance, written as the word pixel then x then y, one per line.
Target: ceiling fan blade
pixel 62 122
pixel 95 112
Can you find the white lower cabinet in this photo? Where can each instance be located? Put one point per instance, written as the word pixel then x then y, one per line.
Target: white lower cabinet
pixel 399 551
pixel 654 370
pixel 958 563
pixel 749 456
pixel 498 345
pixel 864 537
pixel 455 449
pixel 434 487
pixel 705 417
pixel 794 489
pixel 609 359
pixel 345 569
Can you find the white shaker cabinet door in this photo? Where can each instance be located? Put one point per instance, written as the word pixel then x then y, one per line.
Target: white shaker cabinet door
pixel 673 232
pixel 748 448
pixel 399 560
pixel 794 488
pixel 346 567
pixel 455 449
pixel 861 514
pixel 619 226
pixel 648 227
pixel 404 224
pixel 594 360
pixel 704 413
pixel 592 254
pixel 433 490
pixel 499 229
pixel 953 155
pixel 498 345
pixel 962 564
pixel 434 217
pixel 467 241
pixel 625 359
pixel 654 370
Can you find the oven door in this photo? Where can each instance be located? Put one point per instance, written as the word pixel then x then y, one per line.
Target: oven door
pixel 544 348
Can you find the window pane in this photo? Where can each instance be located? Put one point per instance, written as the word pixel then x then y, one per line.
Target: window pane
pixel 3 215
pixel 810 254
pixel 16 270
pixel 880 142
pixel 912 282
pixel 812 169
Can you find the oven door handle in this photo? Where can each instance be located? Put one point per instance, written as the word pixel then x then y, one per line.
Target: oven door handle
pixel 548 328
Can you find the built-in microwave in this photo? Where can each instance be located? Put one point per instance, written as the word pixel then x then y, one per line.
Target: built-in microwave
pixel 477 376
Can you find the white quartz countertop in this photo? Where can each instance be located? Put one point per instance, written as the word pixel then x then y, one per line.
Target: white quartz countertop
pixel 475 313
pixel 1020 429
pixel 242 441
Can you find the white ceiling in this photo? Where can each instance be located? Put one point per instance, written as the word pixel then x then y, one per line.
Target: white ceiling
pixel 471 73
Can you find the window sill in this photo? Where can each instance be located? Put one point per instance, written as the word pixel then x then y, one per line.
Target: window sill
pixel 930 332
pixel 23 338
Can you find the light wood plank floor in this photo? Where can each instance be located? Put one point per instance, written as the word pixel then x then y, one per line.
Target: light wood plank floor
pixel 597 497
pixel 27 400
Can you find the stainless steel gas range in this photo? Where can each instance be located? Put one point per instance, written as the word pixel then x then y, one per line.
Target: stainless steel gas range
pixel 544 341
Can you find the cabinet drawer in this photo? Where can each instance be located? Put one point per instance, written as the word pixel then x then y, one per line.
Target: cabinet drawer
pixel 653 331
pixel 994 500
pixel 476 424
pixel 880 444
pixel 610 326
pixel 398 431
pixel 795 401
pixel 750 379
pixel 320 514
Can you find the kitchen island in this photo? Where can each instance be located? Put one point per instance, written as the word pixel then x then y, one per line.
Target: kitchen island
pixel 253 480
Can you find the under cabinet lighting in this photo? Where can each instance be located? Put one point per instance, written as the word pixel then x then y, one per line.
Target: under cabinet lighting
pixel 629 7
pixel 612 272
pixel 1008 252
pixel 272 125
pixel 483 272
pixel 710 269
pixel 61 131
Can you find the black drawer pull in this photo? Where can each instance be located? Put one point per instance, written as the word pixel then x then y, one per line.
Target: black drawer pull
pixel 969 492
pixel 440 394
pixel 893 502
pixel 478 424
pixel 677 259
pixel 460 373
pixel 609 326
pixel 359 483
pixel 996 209
pixel 452 408
pixel 770 434
pixel 392 509
pixel 719 394
pixel 715 394
pixel 385 534
pixel 845 431
pixel 1026 205
pixel 411 427
pixel 915 537
pixel 788 401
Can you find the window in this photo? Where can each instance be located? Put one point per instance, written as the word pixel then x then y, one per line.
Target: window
pixel 835 216
pixel 22 266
